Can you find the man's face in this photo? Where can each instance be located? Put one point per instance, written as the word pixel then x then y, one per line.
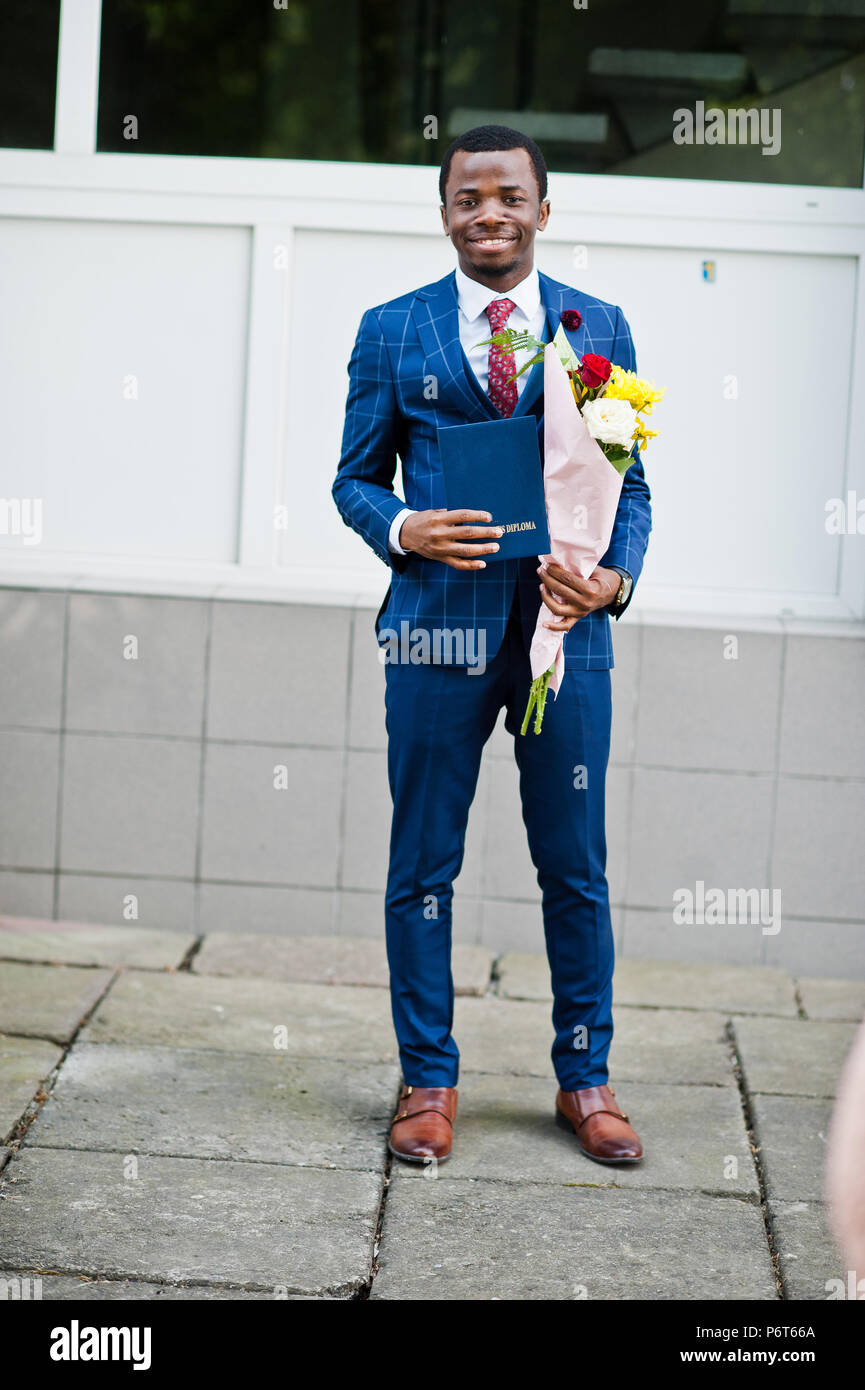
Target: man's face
pixel 491 213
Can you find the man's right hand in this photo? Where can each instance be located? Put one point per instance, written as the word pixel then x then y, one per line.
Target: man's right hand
pixel 443 535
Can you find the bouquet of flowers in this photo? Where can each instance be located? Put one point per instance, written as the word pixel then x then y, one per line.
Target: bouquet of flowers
pixel 594 418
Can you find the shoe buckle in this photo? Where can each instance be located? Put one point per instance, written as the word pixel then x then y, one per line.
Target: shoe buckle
pixel 403 1114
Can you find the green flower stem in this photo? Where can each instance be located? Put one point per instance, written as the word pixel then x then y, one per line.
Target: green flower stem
pixel 533 695
pixel 537 700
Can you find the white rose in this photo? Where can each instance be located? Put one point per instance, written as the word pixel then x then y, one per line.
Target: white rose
pixel 610 422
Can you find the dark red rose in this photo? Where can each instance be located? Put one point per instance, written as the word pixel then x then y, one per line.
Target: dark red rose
pixel 594 370
pixel 571 319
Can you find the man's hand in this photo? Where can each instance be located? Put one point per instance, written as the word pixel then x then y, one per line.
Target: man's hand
pixel 571 597
pixel 443 535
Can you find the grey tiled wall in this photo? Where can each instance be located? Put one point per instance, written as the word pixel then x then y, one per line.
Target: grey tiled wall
pixel 154 778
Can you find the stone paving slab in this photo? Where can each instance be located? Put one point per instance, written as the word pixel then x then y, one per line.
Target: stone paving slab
pixel 791 1132
pixel 470 1240
pixel 506 1130
pixel 24 1064
pixel 238 1015
pixel 798 1057
pixel 47 1001
pixel 664 984
pixel 340 960
pixel 523 975
pixel 54 1288
pixel 274 1109
pixel 251 1224
pixel 833 998
pixel 806 1251
pixel 82 943
pixel 670 1045
pixel 728 989
pixel 257 1107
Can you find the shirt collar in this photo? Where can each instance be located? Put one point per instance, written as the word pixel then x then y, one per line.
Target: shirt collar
pixel 473 297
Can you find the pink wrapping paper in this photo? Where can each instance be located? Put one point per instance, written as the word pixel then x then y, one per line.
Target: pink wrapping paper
pixel 576 474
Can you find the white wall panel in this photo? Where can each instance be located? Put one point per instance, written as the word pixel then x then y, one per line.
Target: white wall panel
pixel 337 276
pixel 85 306
pixel 739 484
pixel 236 362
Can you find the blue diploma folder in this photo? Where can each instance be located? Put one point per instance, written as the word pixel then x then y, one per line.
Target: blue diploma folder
pixel 495 467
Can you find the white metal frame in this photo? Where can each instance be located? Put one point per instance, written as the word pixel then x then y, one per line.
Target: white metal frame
pixel 275 197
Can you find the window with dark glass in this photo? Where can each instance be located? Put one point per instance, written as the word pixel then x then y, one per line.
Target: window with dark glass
pixel 28 73
pixel 775 88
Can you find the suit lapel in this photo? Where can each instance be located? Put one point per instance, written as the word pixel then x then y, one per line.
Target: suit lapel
pixel 436 318
pixel 557 298
pixel 554 299
pixel 483 399
pixel 533 388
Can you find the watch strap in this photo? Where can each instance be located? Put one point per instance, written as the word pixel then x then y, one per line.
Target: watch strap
pixel 623 593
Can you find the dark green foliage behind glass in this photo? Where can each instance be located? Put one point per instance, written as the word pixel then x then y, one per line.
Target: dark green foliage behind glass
pixel 356 80
pixel 28 72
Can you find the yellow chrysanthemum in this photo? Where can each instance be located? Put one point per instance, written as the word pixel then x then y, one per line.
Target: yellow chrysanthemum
pixel 627 386
pixel 642 434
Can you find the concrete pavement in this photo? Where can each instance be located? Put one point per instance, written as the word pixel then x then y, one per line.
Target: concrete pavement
pixel 206 1118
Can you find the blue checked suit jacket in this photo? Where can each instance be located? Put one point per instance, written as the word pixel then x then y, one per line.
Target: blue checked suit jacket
pixel 408 375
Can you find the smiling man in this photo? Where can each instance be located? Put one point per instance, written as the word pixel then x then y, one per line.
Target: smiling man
pixel 417 366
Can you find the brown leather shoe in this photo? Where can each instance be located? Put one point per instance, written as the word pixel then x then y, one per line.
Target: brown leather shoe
pixel 602 1129
pixel 423 1125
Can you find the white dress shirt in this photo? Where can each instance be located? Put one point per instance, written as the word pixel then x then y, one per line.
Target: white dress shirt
pixel 527 316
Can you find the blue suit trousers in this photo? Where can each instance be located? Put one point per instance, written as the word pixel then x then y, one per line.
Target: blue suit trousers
pixel 438 718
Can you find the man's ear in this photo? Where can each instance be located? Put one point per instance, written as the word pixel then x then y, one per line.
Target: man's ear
pixel 444 219
pixel 544 214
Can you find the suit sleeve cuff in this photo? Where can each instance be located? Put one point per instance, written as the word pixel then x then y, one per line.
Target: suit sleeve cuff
pixel 395 527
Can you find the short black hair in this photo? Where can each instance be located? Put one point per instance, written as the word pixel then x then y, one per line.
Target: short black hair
pixel 495 137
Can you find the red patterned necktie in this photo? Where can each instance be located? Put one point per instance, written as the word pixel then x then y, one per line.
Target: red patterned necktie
pixel 502 393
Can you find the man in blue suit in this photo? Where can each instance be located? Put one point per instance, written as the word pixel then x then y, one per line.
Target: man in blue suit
pixel 417 366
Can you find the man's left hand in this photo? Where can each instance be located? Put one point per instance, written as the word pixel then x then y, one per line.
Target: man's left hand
pixel 571 598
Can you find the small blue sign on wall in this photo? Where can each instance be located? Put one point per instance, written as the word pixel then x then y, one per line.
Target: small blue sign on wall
pixel 709 271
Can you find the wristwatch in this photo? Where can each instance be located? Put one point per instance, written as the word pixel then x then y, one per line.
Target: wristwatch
pixel 623 593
